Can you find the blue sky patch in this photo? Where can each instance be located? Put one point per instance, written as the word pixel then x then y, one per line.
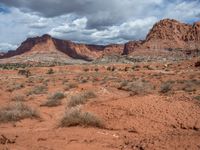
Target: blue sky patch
pixel 4 9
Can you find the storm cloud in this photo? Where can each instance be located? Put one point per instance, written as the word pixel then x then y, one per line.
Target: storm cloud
pixel 90 21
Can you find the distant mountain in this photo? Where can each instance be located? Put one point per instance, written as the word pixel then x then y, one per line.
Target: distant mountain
pixel 167 34
pixel 2 53
pixel 49 45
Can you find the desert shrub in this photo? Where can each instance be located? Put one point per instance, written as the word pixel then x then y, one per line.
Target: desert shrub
pixel 86 69
pixel 50 71
pixel 38 90
pixel 65 81
pixel 165 87
pixel 137 87
pixel 126 69
pixel 188 88
pixel 111 68
pixel 96 69
pixel 82 79
pixel 16 112
pixel 18 98
pixel 14 66
pixel 70 86
pixel 148 67
pixel 30 80
pixel 197 64
pixel 191 85
pixel 15 86
pixel 81 98
pixel 74 117
pixel 54 100
pixel 24 72
pixel 197 97
pixel 135 67
pixel 45 82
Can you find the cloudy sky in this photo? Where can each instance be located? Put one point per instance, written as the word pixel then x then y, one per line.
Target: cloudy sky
pixel 88 21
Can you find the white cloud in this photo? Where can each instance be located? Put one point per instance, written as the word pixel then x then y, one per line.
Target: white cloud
pixel 7 46
pixel 130 30
pixel 89 21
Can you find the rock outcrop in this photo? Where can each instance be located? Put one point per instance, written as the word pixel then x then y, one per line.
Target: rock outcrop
pixel 167 34
pixel 49 45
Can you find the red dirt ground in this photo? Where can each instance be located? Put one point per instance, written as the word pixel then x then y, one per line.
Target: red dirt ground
pixel 144 121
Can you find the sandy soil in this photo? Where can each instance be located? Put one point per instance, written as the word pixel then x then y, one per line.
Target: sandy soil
pixel 152 120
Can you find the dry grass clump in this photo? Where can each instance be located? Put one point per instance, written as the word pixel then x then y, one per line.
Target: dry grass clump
pixel 166 87
pixel 17 111
pixel 137 87
pixel 18 98
pixel 15 86
pixel 54 100
pixel 197 97
pixel 50 71
pixel 70 86
pixel 24 72
pixel 38 90
pixel 81 98
pixel 74 117
pixel 189 85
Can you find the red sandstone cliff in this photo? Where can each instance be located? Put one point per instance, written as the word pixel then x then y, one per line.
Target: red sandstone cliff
pixel 167 34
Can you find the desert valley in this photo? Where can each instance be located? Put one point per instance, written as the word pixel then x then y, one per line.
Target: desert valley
pixel 143 95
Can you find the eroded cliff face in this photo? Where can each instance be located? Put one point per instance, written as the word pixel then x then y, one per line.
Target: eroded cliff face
pixel 48 45
pixel 167 34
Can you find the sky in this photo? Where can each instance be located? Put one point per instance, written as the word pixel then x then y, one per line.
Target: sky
pixel 88 21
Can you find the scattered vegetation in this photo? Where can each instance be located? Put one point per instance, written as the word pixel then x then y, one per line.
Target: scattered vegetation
pixel 191 85
pixel 50 71
pixel 24 72
pixel 197 64
pixel 15 86
pixel 82 79
pixel 148 67
pixel 54 100
pixel 18 98
pixel 69 86
pixel 86 69
pixel 74 117
pixel 81 98
pixel 16 112
pixel 197 97
pixel 96 69
pixel 166 87
pixel 136 87
pixel 136 67
pixel 111 68
pixel 38 90
pixel 126 69
pixel 13 66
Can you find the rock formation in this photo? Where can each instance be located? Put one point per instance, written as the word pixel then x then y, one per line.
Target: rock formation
pixel 167 34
